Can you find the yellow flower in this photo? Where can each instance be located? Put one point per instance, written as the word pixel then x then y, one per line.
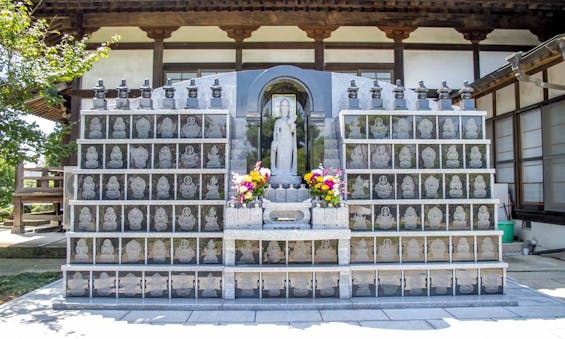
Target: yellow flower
pixel 248 195
pixel 325 187
pixel 328 197
pixel 308 176
pixel 319 179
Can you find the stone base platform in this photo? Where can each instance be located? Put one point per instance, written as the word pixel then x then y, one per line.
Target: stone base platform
pixel 286 304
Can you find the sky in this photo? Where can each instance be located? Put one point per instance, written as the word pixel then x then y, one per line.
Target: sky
pixel 45 125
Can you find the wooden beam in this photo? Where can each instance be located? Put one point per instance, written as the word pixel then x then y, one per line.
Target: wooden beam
pixel 398 34
pixel 319 34
pixel 158 34
pixel 475 36
pixel 239 33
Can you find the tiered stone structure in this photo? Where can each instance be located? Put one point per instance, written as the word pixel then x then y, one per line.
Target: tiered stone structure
pixel 151 215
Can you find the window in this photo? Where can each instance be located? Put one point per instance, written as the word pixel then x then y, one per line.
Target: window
pixel 554 156
pixel 531 165
pixel 178 76
pixel 504 153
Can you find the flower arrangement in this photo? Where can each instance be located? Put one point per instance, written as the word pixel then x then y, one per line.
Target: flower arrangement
pixel 251 186
pixel 326 184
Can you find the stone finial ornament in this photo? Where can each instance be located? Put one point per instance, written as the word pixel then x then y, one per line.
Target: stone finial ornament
pixel 122 102
pixel 216 100
pixel 399 101
pixel 376 96
pixel 169 99
pixel 352 93
pixel 422 103
pixel 466 93
pixel 99 101
pixel 192 100
pixel 444 103
pixel 146 102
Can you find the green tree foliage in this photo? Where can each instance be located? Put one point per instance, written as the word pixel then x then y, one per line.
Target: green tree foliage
pixel 30 67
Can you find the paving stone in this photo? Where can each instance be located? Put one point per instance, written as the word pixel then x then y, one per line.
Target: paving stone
pixel 221 317
pixel 538 311
pixel 156 316
pixel 398 325
pixel 353 315
pixel 287 316
pixel 417 313
pixel 480 312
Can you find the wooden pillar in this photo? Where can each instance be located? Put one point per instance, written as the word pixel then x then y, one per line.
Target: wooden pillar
pixel 18 211
pixel 398 34
pixel 475 36
pixel 319 33
pixel 158 34
pixel 239 33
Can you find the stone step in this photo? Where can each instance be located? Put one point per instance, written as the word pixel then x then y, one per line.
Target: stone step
pixel 330 143
pixel 512 248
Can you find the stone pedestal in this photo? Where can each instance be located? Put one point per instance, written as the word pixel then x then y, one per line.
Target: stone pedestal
pixel 330 217
pixel 423 105
pixel 192 103
pixel 98 103
pixel 399 104
pixel 444 105
pixel 168 103
pixel 240 217
pixel 215 102
pixel 122 103
pixel 467 104
pixel 377 104
pixel 353 103
pixel 145 103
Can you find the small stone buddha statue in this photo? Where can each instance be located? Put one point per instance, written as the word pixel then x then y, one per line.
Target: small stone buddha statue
pixel 354 129
pixel 429 157
pixel 448 130
pixel 381 158
pixel 95 129
pixel 160 219
pixel 459 217
pixel 403 128
pixel 165 157
pixel 113 188
pixel 435 215
pixel 143 127
pixel 274 255
pixel 91 158
pixel 431 185
pixel 387 251
pixel 488 250
pixel 189 159
pixel 410 218
pixel 88 188
pixel 326 253
pixel 132 250
pixel 357 158
pixel 116 158
pixel 452 157
pixel 81 250
pixel 185 253
pixel 425 127
pixel 107 251
pixel 163 187
pixel 135 219
pixel 139 156
pixel 361 253
pixel 159 251
pixel 475 158
pixel 186 219
pixel 455 187
pixel 385 219
pixel 379 129
pixel 414 251
pixel 405 157
pixel 359 221
pixel 359 187
pixel 187 188
pixel 211 220
pixel 210 254
pixel 137 186
pixel 383 188
pixel 408 187
pixel 463 250
pixel 438 249
pixel 213 189
pixel 483 217
pixel 213 158
pixel 214 129
pixel 110 217
pixel 191 129
pixel 471 129
pixel 167 128
pixel 300 252
pixel 247 253
pixel 479 187
pixel 119 129
pixel 85 220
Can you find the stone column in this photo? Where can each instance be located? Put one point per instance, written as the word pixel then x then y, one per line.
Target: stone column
pixel 345 288
pixel 398 34
pixel 158 34
pixel 229 285
pixel 318 33
pixel 475 36
pixel 239 33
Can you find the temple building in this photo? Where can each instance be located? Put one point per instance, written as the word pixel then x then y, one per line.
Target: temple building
pixel 386 41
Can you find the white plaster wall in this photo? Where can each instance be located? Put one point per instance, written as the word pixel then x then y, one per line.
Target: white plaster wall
pixel 491 61
pixel 505 100
pixel 278 33
pixel 199 34
pixel 436 35
pixel 435 66
pixel 132 65
pixel 341 55
pixel 198 55
pixel 358 34
pixel 530 93
pixel 278 55
pixel 556 75
pixel 511 37
pixel 548 236
pixel 484 103
pixel 127 34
